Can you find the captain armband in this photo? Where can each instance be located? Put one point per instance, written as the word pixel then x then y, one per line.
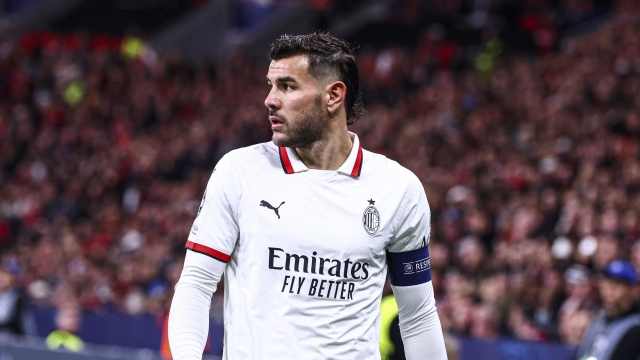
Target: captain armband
pixel 410 267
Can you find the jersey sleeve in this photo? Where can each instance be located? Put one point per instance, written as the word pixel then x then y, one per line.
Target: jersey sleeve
pixel 407 251
pixel 215 229
pixel 410 272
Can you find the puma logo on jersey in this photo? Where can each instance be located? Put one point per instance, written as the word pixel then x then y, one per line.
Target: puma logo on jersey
pixel 269 206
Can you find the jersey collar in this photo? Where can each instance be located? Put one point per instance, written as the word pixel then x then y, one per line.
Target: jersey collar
pixel 291 163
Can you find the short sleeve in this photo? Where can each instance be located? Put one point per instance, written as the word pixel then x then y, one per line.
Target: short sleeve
pixel 412 223
pixel 215 229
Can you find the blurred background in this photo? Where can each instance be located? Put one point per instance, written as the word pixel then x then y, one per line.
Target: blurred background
pixel 520 117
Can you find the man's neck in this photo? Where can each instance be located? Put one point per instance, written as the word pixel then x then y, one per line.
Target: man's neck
pixel 327 154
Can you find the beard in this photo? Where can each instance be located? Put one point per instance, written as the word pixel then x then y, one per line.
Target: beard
pixel 615 309
pixel 309 128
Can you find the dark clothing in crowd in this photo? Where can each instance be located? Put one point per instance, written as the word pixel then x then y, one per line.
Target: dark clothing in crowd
pixel 14 313
pixel 396 338
pixel 616 338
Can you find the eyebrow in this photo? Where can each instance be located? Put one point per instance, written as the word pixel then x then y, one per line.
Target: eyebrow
pixel 283 79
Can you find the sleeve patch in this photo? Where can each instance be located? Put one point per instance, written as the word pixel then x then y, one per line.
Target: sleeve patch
pixel 410 267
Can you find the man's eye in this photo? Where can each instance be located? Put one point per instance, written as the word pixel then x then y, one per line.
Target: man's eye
pixel 288 87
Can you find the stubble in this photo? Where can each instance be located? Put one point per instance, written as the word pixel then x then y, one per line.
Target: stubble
pixel 310 128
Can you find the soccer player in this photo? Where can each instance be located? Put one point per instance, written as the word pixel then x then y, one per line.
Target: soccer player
pixel 306 227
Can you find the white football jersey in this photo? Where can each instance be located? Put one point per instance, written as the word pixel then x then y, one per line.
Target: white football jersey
pixel 307 250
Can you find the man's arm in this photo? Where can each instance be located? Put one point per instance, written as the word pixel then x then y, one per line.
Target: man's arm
pixel 410 271
pixel 189 314
pixel 211 240
pixel 419 322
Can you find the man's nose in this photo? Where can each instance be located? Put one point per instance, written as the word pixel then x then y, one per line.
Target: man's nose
pixel 272 102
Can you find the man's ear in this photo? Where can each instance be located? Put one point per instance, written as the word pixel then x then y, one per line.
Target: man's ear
pixel 336 95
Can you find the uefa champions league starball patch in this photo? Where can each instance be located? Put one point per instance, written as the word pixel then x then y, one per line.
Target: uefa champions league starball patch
pixel 371 218
pixel 201 202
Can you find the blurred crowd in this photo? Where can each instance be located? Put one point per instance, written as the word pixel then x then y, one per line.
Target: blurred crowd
pixel 531 167
pixel 532 174
pixel 104 160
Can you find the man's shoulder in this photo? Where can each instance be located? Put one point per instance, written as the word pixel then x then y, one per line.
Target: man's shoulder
pixel 253 155
pixel 390 170
pixel 256 150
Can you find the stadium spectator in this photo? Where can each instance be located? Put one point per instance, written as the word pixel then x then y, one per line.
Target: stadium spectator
pixel 572 326
pixel 635 255
pixel 453 347
pixel 614 333
pixel 578 288
pixel 14 315
pixel 65 336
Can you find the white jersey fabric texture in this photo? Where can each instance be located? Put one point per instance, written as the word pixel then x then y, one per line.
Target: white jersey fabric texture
pixel 305 253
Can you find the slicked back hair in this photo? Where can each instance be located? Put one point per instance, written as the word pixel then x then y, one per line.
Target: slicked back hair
pixel 328 56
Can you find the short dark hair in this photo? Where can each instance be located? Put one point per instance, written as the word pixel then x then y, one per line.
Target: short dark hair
pixel 328 55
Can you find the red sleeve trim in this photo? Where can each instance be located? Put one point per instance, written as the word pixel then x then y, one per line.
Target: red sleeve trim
pixel 220 256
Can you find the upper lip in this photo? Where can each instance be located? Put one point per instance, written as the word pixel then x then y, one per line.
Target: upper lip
pixel 275 119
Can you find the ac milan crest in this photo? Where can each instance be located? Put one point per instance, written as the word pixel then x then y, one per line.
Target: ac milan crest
pixel 371 218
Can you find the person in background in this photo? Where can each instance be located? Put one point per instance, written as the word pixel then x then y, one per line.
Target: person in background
pixel 452 345
pixel 578 289
pixel 635 255
pixel 65 336
pixel 614 334
pixel 572 326
pixel 13 306
pixel 484 322
pixel 391 346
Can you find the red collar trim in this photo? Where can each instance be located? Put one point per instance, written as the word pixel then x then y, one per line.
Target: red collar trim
pixel 285 161
pixel 357 166
pixel 291 164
